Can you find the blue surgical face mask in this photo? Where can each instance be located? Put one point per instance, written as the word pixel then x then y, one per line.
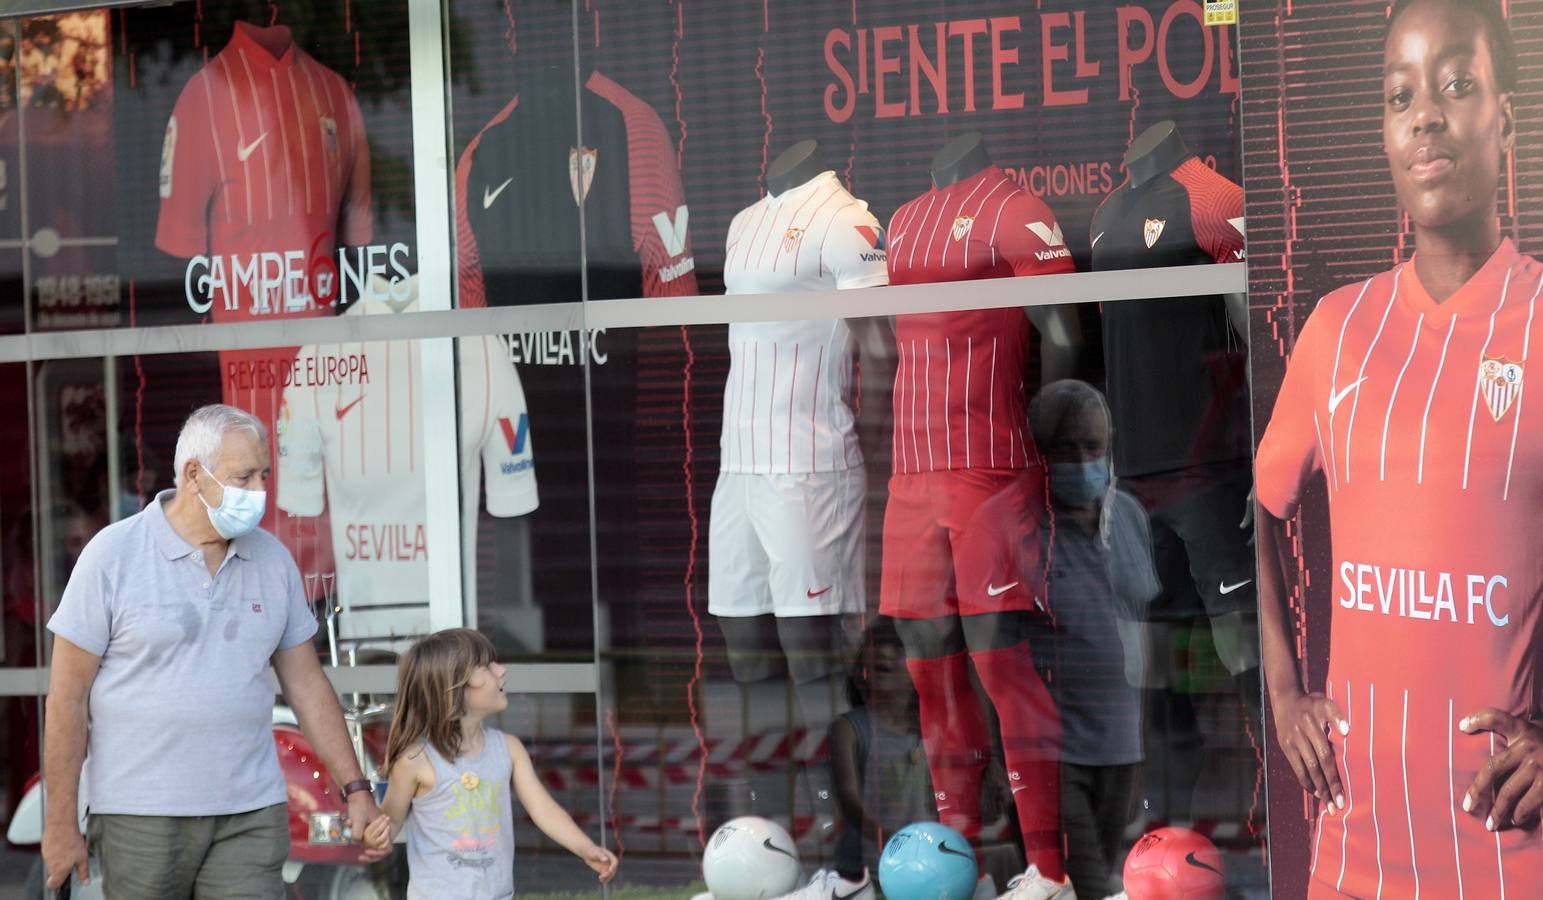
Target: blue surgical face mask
pixel 1079 484
pixel 239 511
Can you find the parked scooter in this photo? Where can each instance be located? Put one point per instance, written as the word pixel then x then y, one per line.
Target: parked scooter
pixel 318 834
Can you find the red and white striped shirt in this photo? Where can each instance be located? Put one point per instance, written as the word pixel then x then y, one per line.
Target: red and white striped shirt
pixel 264 154
pixel 1416 414
pixel 786 402
pixel 959 382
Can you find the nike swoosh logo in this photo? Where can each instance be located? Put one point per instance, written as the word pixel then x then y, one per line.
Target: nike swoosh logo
pixel 814 594
pixel 343 410
pixel 944 848
pixel 1229 588
pixel 994 591
pixel 1195 861
pixel 489 196
pixel 775 849
pixel 1336 399
pixel 1095 240
pixel 243 152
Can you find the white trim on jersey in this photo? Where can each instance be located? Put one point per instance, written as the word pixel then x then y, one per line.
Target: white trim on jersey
pixel 1457 846
pixel 1403 757
pixel 1516 420
pixel 815 237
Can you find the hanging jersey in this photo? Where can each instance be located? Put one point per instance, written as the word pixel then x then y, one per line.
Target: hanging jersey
pixel 519 184
pixel 958 395
pixel 787 399
pixel 1416 415
pixel 1177 371
pixel 351 440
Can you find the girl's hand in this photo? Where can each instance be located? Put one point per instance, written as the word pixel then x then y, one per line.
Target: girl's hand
pixel 378 835
pixel 602 861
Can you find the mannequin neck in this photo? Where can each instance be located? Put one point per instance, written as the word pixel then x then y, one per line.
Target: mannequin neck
pixel 795 166
pixel 959 159
pixel 1156 151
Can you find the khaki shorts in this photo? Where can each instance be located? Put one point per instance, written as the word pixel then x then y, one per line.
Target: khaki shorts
pixel 235 857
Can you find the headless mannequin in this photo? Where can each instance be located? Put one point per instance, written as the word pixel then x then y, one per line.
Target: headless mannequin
pixel 954 727
pixel 793 167
pixel 1156 151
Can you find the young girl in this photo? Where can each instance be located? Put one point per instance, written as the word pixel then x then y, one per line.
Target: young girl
pixel 450 777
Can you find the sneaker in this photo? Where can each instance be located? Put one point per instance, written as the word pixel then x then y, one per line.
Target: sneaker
pixel 827 885
pixel 1033 886
pixel 705 895
pixel 1119 896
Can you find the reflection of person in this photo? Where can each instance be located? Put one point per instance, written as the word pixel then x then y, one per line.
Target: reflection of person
pixel 1405 392
pixel 876 758
pixel 954 583
pixel 164 635
pixel 451 775
pixel 1100 581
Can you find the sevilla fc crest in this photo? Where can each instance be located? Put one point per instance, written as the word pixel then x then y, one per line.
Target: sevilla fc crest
pixel 1500 381
pixel 1152 230
pixel 581 171
pixel 790 239
pixel 962 226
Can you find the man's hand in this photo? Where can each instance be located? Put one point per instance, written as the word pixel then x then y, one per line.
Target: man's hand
pixel 602 861
pixel 362 813
pixel 1509 789
pixel 64 850
pixel 1302 725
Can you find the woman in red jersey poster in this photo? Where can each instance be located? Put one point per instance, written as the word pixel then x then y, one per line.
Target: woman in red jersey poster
pixel 1421 744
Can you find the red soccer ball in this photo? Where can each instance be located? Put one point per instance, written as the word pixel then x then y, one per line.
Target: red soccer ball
pixel 1174 864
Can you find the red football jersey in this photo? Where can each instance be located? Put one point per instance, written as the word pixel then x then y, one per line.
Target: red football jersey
pixel 1415 413
pixel 959 380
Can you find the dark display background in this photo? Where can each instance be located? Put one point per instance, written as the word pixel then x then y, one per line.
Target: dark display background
pixel 1322 213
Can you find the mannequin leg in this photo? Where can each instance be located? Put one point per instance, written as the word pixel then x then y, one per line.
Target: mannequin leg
pixel 955 734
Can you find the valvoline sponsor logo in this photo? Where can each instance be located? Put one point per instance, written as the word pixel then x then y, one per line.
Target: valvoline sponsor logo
pixel 516 436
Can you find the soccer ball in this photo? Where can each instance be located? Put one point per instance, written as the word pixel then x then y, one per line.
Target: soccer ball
pixel 927 861
pixel 750 858
pixel 1174 864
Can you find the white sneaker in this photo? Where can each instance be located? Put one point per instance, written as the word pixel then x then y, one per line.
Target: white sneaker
pixel 828 885
pixel 1119 896
pixel 1033 886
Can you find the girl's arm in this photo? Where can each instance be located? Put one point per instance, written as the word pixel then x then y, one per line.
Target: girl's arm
pixel 552 819
pixel 410 776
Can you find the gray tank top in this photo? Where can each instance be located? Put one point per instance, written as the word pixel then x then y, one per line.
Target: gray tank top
pixel 460 835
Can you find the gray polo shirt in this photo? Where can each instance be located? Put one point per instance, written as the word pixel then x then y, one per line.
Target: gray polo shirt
pixel 181 709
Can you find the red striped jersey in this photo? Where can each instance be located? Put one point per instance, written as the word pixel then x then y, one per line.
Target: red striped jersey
pixel 351 441
pixel 1416 415
pixel 264 152
pixel 958 397
pixel 786 402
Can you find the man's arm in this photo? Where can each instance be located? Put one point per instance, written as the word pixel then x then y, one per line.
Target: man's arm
pixel 64 752
pixel 1302 720
pixel 310 695
pixel 1061 338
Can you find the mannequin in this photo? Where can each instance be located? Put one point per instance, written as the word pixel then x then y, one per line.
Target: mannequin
pixel 1177 376
pixel 963 573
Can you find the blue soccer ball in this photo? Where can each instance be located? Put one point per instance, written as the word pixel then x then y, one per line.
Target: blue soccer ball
pixel 927 861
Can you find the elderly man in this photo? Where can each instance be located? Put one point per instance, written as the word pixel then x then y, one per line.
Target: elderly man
pixel 162 643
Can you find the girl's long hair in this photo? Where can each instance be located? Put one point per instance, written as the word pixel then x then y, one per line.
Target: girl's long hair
pixel 431 692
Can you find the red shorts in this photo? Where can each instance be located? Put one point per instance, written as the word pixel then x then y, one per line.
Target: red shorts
pixel 963 542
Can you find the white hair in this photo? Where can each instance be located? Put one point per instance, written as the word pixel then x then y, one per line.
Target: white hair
pixel 204 433
pixel 1054 404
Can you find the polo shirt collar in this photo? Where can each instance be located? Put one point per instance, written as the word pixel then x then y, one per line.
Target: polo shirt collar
pixel 171 544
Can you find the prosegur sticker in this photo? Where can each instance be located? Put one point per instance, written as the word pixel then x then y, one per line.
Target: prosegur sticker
pixel 1221 12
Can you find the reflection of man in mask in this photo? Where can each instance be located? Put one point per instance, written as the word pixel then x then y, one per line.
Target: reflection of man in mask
pixel 1101 578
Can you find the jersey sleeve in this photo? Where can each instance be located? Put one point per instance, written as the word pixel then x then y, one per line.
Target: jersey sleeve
pixel 853 249
pixel 1288 452
pixel 660 218
pixel 508 457
pixel 471 288
pixel 356 224
pixel 1216 211
pixel 190 173
pixel 1030 239
pixel 301 481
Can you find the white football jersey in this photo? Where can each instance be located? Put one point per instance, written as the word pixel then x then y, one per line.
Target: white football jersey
pixel 786 404
pixel 350 436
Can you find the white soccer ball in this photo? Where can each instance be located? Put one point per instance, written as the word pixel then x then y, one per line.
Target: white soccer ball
pixel 750 858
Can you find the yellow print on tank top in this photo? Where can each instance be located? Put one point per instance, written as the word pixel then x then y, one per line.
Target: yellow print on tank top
pixel 477 808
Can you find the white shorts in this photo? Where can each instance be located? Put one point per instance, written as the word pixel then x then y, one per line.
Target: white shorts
pixel 787 544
